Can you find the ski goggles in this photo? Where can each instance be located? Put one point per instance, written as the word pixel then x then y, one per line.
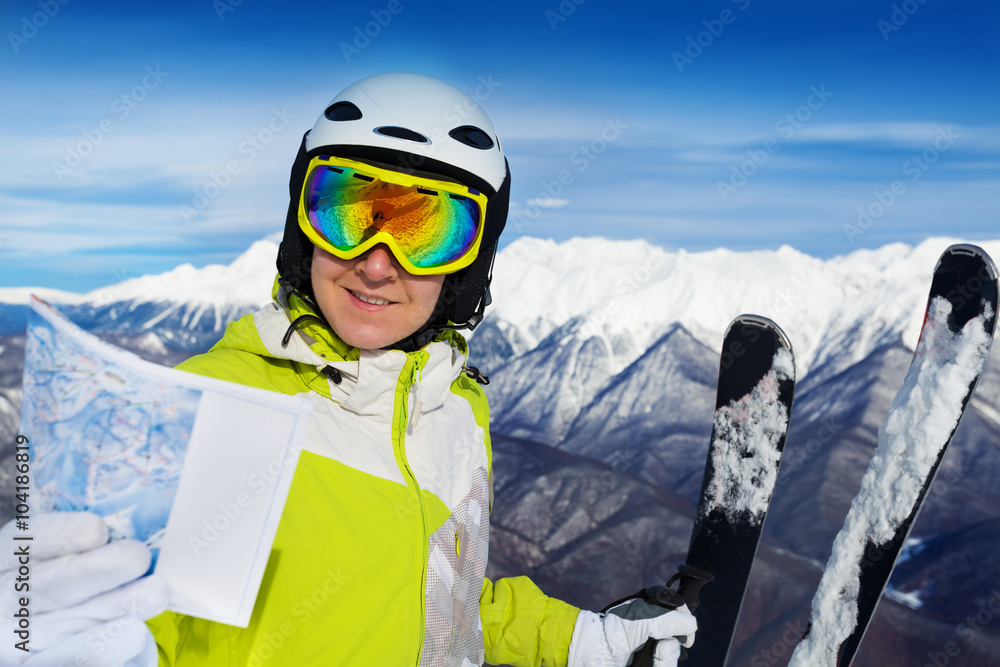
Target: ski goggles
pixel 431 226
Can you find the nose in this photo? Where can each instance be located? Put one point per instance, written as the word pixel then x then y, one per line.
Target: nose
pixel 378 264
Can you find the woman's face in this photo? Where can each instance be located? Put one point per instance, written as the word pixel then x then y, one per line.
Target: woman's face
pixel 371 301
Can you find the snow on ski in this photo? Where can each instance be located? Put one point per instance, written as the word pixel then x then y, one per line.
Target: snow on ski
pixel 753 406
pixel 950 355
pixel 746 446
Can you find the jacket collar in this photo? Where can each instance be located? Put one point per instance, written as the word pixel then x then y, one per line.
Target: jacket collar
pixel 369 379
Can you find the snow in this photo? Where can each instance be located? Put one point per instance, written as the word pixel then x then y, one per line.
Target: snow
pixel 911 548
pixel 856 302
pixel 986 409
pixel 783 363
pixel 22 295
pixel 910 599
pixel 923 415
pixel 247 280
pixel 745 438
pixel 151 343
pixel 627 294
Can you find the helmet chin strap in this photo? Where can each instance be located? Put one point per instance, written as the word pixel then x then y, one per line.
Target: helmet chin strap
pixel 427 332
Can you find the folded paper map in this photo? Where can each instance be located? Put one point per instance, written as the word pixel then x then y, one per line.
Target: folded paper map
pixel 196 468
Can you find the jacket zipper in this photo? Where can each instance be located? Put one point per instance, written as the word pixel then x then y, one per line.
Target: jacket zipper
pixel 403 425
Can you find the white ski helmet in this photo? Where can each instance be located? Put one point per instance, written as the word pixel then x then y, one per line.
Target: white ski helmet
pixel 417 114
pixel 416 124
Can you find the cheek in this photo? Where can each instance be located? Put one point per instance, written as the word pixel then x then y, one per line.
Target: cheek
pixel 325 268
pixel 429 291
pixel 316 265
pixel 319 280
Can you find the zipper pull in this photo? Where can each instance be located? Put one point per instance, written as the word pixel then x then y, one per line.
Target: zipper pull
pixel 417 403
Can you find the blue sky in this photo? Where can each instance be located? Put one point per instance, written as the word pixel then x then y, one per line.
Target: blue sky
pixel 745 124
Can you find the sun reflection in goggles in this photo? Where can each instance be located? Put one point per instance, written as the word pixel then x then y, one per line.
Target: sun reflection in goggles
pixel 431 227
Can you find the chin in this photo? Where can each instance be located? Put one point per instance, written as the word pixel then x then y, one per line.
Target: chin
pixel 368 340
pixel 365 342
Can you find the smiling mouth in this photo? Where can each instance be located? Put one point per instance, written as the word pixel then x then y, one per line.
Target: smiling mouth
pixel 375 301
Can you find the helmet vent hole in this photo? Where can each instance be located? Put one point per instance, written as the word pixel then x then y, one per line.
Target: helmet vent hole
pixel 470 135
pixel 343 111
pixel 402 133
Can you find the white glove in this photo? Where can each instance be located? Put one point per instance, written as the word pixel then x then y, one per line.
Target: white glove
pixel 85 601
pixel 610 639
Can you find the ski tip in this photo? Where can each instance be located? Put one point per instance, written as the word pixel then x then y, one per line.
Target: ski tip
pixel 969 250
pixel 763 323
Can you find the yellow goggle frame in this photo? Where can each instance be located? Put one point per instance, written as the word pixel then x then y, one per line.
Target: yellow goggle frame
pixel 431 226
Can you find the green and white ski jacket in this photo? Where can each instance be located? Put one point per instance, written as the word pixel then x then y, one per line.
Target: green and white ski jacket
pixel 380 556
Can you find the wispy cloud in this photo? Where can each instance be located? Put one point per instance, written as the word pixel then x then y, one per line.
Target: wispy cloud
pixel 548 202
pixel 903 134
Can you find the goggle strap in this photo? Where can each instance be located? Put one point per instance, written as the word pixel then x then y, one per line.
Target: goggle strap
pixel 477 316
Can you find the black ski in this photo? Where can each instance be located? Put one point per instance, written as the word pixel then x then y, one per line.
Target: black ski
pixel 954 343
pixel 752 409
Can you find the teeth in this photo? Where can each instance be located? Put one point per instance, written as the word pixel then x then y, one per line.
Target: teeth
pixel 371 299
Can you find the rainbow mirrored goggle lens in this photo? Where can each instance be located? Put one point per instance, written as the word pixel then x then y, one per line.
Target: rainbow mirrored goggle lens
pixel 431 226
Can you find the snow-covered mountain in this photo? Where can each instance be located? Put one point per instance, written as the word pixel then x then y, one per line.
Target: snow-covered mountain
pixel 603 357
pixel 629 293
pixel 626 294
pixel 187 307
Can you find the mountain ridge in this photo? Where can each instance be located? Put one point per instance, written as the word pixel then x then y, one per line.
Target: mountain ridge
pixel 614 287
pixel 603 357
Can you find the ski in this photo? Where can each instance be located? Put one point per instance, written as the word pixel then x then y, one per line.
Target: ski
pixel 752 409
pixel 950 355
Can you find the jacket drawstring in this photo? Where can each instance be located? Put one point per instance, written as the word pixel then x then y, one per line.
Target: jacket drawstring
pixel 476 374
pixel 295 323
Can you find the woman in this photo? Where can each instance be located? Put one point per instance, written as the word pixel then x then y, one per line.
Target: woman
pixel 398 197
